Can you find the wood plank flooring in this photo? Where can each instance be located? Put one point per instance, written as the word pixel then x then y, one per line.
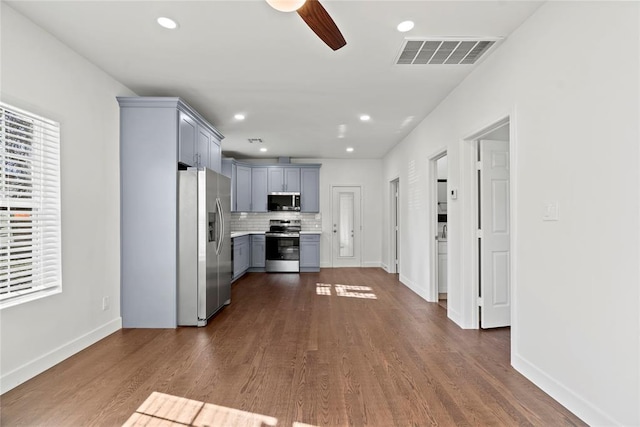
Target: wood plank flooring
pixel 289 349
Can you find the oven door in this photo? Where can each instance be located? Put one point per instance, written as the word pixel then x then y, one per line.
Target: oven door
pixel 282 253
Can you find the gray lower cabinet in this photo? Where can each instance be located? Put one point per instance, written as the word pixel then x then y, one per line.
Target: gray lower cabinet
pixel 258 248
pixel 241 255
pixel 309 253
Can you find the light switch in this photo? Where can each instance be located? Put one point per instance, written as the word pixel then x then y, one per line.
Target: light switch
pixel 454 194
pixel 550 212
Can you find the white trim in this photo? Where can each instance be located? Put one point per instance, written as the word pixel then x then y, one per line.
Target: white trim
pixel 385 267
pixel 36 366
pixel 570 399
pixel 470 318
pixel 369 264
pixel 432 172
pixel 416 289
pixel 394 184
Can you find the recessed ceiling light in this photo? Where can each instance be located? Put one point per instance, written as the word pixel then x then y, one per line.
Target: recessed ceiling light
pixel 405 26
pixel 365 117
pixel 167 23
pixel 263 149
pixel 349 149
pixel 239 116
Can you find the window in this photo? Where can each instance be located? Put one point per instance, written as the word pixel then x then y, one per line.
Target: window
pixel 29 206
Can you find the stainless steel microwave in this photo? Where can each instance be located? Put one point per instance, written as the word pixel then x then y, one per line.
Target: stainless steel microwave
pixel 283 202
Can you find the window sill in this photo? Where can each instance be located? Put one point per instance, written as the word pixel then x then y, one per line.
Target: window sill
pixel 30 297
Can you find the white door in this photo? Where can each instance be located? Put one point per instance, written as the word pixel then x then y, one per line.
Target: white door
pixel 495 275
pixel 346 237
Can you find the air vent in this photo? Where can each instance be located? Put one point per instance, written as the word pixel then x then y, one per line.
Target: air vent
pixel 460 51
pixel 255 140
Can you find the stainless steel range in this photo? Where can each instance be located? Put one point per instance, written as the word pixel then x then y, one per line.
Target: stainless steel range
pixel 283 246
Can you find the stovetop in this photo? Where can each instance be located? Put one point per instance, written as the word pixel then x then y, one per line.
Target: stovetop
pixel 284 226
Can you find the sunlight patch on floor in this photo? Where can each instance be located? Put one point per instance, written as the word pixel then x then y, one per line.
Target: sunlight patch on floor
pixel 349 291
pixel 166 410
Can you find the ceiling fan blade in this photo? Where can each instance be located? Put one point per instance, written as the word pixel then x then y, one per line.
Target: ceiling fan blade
pixel 321 23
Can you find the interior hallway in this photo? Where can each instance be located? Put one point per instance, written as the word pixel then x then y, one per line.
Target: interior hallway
pixel 342 347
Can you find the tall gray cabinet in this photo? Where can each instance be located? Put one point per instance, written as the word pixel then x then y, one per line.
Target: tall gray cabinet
pixel 156 134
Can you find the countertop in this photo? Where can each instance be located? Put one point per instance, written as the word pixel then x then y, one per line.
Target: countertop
pixel 245 233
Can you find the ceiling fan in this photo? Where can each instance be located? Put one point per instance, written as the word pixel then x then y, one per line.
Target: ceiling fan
pixel 316 17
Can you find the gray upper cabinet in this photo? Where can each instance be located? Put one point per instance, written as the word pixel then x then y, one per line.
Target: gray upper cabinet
pixel 156 133
pixel 243 188
pixel 284 179
pixel 202 154
pixel 292 180
pixel 310 190
pixel 187 143
pixel 250 184
pixel 258 189
pixel 275 180
pixel 199 143
pixel 215 155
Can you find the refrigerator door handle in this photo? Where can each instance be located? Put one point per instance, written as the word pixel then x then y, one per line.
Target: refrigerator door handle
pixel 221 217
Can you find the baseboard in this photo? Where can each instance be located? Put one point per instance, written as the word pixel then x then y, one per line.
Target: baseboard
pixel 385 267
pixel 30 369
pixel 409 284
pixel 571 400
pixel 370 264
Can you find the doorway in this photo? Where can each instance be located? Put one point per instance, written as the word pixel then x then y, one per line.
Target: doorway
pixel 441 265
pixel 492 172
pixel 394 258
pixel 346 242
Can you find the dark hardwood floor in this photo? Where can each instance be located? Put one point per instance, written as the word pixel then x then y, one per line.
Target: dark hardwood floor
pixel 290 349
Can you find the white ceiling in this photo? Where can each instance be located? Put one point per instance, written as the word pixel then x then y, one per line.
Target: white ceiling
pixel 243 56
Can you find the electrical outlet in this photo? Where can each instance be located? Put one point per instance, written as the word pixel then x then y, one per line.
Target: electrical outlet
pixel 105 303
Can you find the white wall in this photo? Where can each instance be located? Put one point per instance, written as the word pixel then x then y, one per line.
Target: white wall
pixel 366 174
pixel 568 77
pixel 42 75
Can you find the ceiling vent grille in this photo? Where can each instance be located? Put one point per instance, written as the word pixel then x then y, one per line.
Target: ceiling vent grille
pixel 255 140
pixel 460 51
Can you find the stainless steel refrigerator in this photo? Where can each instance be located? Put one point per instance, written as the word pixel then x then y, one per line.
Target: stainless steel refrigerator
pixel 204 245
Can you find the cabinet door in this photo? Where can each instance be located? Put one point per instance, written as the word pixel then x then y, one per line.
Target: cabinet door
pixel 243 188
pixel 310 251
pixel 258 251
pixel 275 181
pixel 310 190
pixel 202 153
pixel 292 179
pixel 215 157
pixel 187 140
pixel 246 254
pixel 258 189
pixel 237 258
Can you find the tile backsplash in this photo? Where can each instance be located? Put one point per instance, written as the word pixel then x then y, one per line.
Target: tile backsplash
pixel 254 221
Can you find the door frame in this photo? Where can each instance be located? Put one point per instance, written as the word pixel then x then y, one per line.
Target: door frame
pixel 357 241
pixel 433 223
pixel 394 203
pixel 469 225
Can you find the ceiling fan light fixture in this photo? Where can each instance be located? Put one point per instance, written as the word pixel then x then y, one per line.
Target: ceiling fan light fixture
pixel 167 23
pixel 405 26
pixel 286 5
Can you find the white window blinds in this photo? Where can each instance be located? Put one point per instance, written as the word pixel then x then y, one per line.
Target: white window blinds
pixel 29 206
